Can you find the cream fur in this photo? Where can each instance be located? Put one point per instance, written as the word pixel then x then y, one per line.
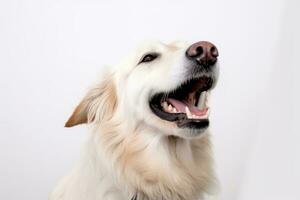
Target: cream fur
pixel 129 149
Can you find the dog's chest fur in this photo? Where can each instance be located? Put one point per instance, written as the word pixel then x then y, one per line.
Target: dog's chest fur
pixel 117 165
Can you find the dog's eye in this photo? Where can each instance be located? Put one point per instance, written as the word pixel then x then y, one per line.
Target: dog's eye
pixel 149 57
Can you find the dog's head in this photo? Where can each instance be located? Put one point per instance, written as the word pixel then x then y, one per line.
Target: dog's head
pixel 165 87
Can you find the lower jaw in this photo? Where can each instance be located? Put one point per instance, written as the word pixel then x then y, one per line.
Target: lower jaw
pixel 192 133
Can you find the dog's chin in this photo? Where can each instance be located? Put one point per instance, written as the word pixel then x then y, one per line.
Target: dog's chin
pixel 186 106
pixel 191 133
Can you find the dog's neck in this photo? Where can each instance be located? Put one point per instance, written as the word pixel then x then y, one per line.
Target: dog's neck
pixel 154 165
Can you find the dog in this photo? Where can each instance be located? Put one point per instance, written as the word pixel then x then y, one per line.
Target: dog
pixel 148 120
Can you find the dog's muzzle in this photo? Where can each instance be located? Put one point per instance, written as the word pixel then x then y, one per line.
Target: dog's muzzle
pixel 187 105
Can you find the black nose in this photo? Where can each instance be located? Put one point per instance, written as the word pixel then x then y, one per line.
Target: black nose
pixel 203 52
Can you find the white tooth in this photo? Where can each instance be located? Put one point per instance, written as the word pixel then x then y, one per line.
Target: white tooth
pixel 174 110
pixel 188 113
pixel 165 105
pixel 202 100
pixel 170 108
pixel 207 100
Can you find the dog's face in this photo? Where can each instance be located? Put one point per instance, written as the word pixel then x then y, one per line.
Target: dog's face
pixel 164 86
pixel 167 86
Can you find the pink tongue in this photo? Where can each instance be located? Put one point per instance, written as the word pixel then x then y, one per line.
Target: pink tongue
pixel 180 106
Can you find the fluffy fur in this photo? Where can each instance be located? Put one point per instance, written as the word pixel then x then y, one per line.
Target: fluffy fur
pixel 130 150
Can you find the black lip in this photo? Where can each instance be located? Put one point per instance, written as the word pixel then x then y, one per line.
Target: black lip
pixel 194 124
pixel 179 118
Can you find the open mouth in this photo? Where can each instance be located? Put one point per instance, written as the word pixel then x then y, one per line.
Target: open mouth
pixel 186 105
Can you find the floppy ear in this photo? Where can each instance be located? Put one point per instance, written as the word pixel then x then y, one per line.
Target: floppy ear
pixel 99 104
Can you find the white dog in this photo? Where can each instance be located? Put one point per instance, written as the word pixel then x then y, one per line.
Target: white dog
pixel 149 120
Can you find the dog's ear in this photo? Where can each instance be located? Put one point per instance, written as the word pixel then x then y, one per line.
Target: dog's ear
pixel 99 104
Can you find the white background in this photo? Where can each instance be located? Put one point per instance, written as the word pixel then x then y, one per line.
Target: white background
pixel 51 51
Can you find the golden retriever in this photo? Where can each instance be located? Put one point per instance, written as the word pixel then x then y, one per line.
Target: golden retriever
pixel 149 137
